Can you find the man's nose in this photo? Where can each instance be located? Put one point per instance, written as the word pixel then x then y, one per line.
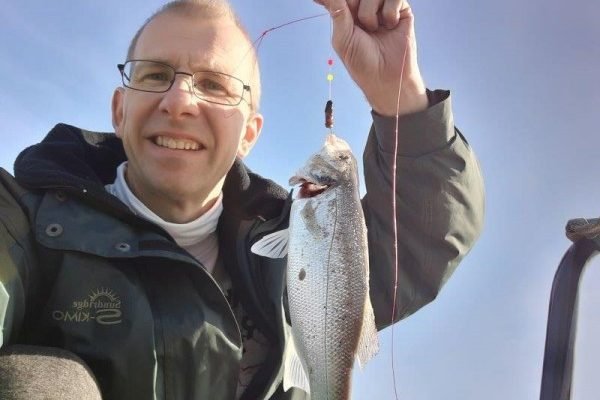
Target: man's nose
pixel 180 99
pixel 184 81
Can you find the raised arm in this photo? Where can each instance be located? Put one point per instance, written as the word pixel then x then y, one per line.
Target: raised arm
pixel 440 195
pixel 440 206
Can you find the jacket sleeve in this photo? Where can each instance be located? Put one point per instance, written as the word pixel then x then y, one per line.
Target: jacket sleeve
pixel 439 206
pixel 15 260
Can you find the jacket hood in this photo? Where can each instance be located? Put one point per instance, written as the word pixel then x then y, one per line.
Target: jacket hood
pixel 70 157
pixel 82 160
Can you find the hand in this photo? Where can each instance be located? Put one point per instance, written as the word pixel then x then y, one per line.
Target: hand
pixel 375 39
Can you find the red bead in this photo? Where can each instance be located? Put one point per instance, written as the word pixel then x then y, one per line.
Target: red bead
pixel 330 61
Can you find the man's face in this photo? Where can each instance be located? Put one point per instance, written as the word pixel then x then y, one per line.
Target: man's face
pixel 148 122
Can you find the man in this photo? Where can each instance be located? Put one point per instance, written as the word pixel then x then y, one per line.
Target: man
pixel 132 250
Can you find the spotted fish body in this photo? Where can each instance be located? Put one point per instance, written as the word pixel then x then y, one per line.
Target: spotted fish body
pixel 328 273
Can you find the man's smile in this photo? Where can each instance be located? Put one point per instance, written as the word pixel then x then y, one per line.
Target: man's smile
pixel 178 144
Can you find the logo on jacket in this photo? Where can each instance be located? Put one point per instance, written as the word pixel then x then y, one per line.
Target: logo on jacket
pixel 102 305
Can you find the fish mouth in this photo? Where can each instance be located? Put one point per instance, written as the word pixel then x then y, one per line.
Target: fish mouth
pixel 308 188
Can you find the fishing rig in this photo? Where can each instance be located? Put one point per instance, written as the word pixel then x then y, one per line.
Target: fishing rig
pixel 329 104
pixel 329 123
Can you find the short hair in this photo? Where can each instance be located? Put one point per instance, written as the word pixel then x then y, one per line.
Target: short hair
pixel 208 9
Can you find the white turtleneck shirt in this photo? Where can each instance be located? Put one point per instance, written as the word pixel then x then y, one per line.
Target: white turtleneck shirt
pixel 198 237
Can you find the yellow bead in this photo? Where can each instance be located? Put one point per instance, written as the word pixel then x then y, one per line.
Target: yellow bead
pixel 329 77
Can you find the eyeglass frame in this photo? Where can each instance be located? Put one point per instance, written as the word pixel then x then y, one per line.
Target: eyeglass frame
pixel 121 68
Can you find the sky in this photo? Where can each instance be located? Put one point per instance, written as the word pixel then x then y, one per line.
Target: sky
pixel 525 92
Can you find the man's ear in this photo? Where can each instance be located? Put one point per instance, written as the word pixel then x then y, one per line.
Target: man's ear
pixel 117 110
pixel 254 125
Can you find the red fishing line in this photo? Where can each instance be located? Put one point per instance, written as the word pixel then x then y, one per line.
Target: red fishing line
pixel 395 247
pixel 260 38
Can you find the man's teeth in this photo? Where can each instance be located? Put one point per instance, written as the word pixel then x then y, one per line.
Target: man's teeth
pixel 179 144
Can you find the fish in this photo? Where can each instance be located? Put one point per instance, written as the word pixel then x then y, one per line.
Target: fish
pixel 332 319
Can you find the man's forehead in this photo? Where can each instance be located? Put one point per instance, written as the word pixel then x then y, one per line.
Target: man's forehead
pixel 194 41
pixel 193 29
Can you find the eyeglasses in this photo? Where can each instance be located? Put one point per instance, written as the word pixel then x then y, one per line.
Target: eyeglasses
pixel 157 77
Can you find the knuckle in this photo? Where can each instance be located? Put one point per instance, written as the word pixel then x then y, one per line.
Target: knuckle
pixel 390 15
pixel 368 19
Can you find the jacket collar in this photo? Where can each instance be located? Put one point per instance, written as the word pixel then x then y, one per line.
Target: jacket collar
pixel 83 161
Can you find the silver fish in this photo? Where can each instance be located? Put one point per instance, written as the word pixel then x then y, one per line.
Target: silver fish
pixel 328 275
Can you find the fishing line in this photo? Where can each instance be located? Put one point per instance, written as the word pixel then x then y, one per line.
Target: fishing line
pixel 255 46
pixel 335 220
pixel 394 207
pixel 329 124
pixel 259 40
pixel 329 104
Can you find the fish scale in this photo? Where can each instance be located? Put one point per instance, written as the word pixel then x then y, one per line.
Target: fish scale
pixel 327 306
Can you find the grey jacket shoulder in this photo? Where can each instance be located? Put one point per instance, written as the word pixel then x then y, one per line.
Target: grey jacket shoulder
pixel 439 206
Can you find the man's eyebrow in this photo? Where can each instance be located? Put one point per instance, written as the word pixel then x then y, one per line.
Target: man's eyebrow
pixel 157 59
pixel 205 65
pixel 210 65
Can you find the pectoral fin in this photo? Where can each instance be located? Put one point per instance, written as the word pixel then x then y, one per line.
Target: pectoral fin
pixel 273 245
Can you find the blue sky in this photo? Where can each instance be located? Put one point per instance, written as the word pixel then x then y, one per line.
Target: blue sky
pixel 526 93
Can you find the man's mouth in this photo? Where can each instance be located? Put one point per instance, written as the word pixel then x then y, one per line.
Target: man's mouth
pixel 177 144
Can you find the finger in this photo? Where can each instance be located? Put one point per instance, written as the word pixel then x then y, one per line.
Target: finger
pixel 353 6
pixel 368 14
pixel 343 23
pixel 390 13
